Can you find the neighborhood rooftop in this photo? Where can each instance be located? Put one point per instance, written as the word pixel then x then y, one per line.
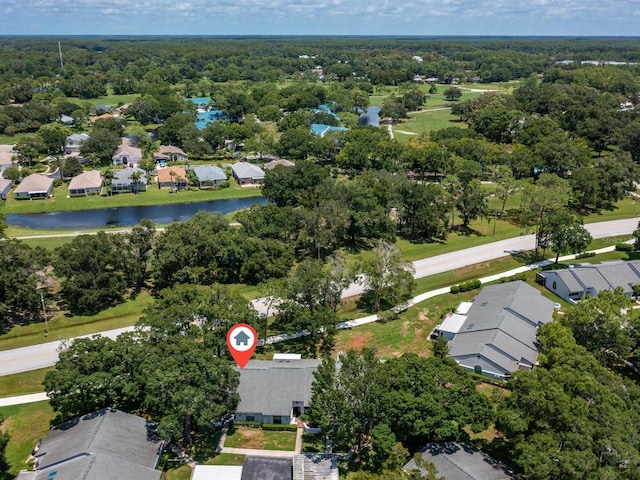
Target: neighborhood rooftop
pixel 498 336
pixel 104 445
pixel 34 183
pixel 87 179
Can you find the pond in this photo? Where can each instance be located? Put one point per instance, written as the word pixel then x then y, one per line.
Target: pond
pixel 128 216
pixel 370 117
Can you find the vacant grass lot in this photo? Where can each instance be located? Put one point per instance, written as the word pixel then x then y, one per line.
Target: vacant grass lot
pixel 25 424
pixel 261 439
pixel 64 326
pixel 23 383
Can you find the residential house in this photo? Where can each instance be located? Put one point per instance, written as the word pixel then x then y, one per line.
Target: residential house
pixel 34 186
pixel 209 175
pixel 73 143
pixel 275 391
pixel 169 153
pixel 104 445
pixel 5 188
pixel 462 461
pixel 280 162
pixel 87 183
pixel 6 160
pixel 122 181
pixel 247 173
pixel 66 120
pixel 499 332
pixel 578 281
pixel 127 153
pixel 172 177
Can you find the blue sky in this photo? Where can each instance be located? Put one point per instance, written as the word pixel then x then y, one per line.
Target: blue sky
pixel 320 17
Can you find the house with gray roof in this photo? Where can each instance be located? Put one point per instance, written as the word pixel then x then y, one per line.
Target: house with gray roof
pixel 499 333
pixel 578 281
pixel 73 143
pixel 5 188
pixel 127 153
pixel 34 186
pixel 275 391
pixel 247 173
pixel 462 461
pixel 6 160
pixel 169 153
pixel 122 181
pixel 104 445
pixel 209 175
pixel 85 184
pixel 278 162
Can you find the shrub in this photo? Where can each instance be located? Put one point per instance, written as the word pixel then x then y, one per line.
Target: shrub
pixel 624 247
pixel 455 289
pixel 247 424
pixel 282 427
pixel 586 255
pixel 466 286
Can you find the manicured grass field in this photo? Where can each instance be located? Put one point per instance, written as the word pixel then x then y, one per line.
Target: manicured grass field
pixel 63 326
pixel 425 121
pixel 153 196
pixel 23 383
pixel 25 424
pixel 112 100
pixel 261 439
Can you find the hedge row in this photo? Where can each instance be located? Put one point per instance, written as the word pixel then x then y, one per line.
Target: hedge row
pixel 244 423
pixel 466 286
pixel 624 247
pixel 586 255
pixel 288 427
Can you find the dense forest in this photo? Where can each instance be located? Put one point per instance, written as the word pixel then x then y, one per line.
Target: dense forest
pixel 566 140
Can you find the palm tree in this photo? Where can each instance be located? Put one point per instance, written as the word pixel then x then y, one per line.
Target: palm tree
pixel 172 174
pixel 135 180
pixel 108 176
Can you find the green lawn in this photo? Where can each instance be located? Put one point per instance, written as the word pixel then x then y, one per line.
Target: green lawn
pixel 63 326
pixel 153 196
pixel 23 383
pixel 256 438
pixel 25 424
pixel 112 100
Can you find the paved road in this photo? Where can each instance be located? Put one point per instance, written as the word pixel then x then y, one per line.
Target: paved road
pixel 45 355
pixel 40 356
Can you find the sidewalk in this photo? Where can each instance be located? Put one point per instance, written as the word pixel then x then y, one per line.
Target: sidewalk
pixel 19 400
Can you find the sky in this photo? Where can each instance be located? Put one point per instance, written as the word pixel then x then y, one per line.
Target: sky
pixel 320 17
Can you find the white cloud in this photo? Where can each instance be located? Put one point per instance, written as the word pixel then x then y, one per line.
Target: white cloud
pixel 80 14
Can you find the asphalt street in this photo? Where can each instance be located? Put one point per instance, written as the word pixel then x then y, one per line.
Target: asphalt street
pixel 46 354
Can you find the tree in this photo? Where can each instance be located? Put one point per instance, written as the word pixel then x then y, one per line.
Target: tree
pixel 388 280
pixel 137 246
pixel 4 465
pixel 346 402
pixel 71 167
pixel 452 94
pixel 472 203
pixel 102 143
pixel 135 176
pixel 564 233
pixel 424 211
pixel 53 137
pixel 91 267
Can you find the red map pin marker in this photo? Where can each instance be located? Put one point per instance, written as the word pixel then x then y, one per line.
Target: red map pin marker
pixel 242 340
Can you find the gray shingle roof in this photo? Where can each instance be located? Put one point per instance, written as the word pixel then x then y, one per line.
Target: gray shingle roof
pixel 462 461
pixel 105 445
pixel 270 387
pixel 599 277
pixel 123 177
pixel 209 173
pixel 501 326
pixel 247 170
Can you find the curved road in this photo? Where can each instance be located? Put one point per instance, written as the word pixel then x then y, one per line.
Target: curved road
pixel 46 354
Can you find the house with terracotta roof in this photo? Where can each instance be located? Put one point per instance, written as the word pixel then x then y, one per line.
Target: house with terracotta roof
pixel 127 153
pixel 170 153
pixel 85 184
pixel 172 177
pixel 34 186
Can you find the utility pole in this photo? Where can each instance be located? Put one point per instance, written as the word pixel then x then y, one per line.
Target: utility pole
pixel 44 313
